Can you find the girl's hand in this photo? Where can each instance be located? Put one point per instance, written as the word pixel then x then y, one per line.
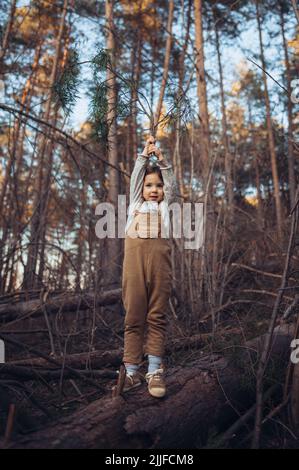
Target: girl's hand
pixel 156 151
pixel 150 141
pixel 150 148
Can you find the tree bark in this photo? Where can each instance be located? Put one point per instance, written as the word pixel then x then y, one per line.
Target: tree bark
pixel 177 158
pixel 202 90
pixel 260 212
pixel 206 170
pixel 50 148
pixel 271 142
pixel 228 157
pixel 112 260
pixel 5 42
pixel 100 359
pixel 295 8
pixel 13 202
pixel 291 167
pixel 256 162
pixel 42 182
pixel 166 63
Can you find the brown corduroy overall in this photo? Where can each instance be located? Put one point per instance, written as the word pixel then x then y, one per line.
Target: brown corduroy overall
pixel 146 288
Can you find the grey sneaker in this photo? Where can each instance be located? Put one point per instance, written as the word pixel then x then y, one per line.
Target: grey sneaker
pixel 156 383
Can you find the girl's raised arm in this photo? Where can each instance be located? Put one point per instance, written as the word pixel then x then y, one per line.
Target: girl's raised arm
pixel 170 185
pixel 137 177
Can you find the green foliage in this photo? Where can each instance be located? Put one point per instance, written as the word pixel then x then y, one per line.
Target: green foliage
pixel 66 92
pixel 101 62
pixel 99 103
pixel 123 106
pixel 67 84
pixel 179 108
pixel 98 110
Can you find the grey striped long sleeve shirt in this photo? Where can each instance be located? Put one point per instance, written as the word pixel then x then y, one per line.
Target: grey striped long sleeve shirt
pixel 136 185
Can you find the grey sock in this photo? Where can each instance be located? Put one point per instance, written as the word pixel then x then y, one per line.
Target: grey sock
pixel 131 368
pixel 154 363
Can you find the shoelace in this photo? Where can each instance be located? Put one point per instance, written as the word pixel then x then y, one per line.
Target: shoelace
pixel 156 375
pixel 131 378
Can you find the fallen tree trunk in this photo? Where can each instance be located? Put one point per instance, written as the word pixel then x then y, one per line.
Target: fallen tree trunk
pixel 196 398
pixel 99 359
pixel 90 360
pixel 137 420
pixel 29 374
pixel 65 302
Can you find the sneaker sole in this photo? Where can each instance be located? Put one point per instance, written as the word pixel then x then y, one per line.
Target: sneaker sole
pixel 157 393
pixel 131 388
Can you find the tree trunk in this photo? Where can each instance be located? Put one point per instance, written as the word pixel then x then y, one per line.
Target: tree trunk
pixel 202 396
pixel 206 170
pixel 132 141
pixel 112 261
pixel 228 157
pixel 10 182
pixel 202 90
pixel 17 124
pixel 177 159
pixel 50 159
pixel 256 157
pixel 166 62
pixel 72 302
pixel 45 170
pixel 271 142
pixel 295 8
pixel 137 74
pixel 291 168
pixel 99 359
pixel 260 212
pixel 5 42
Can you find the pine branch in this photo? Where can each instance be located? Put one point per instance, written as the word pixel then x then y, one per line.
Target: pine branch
pixel 67 85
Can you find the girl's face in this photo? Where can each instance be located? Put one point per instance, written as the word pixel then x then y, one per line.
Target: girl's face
pixel 153 188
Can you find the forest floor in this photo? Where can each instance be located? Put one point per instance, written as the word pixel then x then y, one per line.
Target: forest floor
pixel 44 402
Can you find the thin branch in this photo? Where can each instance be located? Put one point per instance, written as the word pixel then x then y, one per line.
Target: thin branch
pixel 269 75
pixel 61 132
pixel 74 372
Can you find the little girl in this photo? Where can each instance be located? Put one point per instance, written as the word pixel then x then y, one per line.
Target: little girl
pixel 147 273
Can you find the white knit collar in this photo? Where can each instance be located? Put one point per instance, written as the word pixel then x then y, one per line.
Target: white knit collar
pixel 149 206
